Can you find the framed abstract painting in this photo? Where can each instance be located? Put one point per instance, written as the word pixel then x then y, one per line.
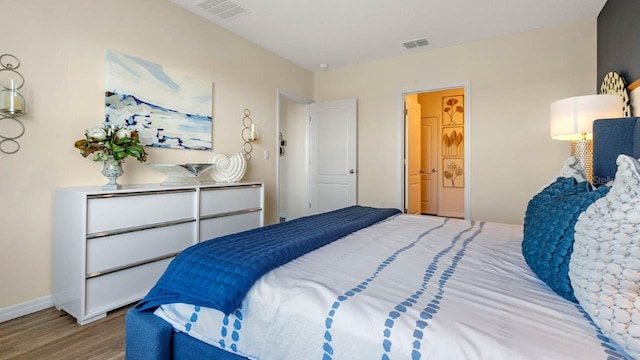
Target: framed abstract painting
pixel 168 108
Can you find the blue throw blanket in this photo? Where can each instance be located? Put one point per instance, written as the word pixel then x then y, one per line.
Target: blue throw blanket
pixel 218 273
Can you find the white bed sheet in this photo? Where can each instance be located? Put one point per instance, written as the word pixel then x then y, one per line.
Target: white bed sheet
pixel 410 287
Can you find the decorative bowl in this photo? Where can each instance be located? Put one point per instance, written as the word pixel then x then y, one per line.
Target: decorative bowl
pixel 181 174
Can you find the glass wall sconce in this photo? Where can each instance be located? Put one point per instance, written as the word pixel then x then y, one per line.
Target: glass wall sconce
pixel 12 103
pixel 249 134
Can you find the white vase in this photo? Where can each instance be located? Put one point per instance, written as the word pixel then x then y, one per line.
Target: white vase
pixel 112 169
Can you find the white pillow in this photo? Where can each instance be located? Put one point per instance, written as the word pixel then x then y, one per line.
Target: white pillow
pixel 573 169
pixel 570 169
pixel 605 264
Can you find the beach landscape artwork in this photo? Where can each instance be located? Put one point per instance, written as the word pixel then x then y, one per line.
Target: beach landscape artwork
pixel 168 108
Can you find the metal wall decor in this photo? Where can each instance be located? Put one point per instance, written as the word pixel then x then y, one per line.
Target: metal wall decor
pixel 614 83
pixel 12 103
pixel 452 148
pixel 453 171
pixel 283 144
pixel 249 134
pixel 453 141
pixel 453 110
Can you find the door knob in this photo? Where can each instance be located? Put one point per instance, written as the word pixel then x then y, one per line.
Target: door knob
pixel 422 171
pixel 433 170
pixel 351 171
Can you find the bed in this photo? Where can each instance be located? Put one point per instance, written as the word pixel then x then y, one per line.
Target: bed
pixel 383 285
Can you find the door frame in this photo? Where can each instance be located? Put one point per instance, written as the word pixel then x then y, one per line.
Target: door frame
pixel 407 168
pixel 303 101
pixel 402 180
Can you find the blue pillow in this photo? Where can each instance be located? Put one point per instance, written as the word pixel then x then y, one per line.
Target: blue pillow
pixel 549 228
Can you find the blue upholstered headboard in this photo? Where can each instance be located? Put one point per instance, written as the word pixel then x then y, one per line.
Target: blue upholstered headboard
pixel 612 137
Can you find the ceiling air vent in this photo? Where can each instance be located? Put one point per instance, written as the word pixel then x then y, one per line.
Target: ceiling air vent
pixel 224 9
pixel 415 43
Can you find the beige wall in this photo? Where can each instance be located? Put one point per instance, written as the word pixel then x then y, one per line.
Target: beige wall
pixel 62 47
pixel 513 80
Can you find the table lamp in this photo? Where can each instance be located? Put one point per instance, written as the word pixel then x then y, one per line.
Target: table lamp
pixel 572 120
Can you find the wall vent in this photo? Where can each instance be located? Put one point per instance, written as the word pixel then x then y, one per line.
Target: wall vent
pixel 223 9
pixel 415 43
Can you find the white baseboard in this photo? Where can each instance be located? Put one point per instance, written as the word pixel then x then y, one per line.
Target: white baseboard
pixel 25 308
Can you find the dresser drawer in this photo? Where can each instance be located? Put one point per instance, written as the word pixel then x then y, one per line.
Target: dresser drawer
pixel 110 213
pixel 220 226
pixel 224 200
pixel 113 290
pixel 111 246
pixel 116 251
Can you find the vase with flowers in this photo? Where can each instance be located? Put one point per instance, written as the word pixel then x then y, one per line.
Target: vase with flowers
pixel 111 144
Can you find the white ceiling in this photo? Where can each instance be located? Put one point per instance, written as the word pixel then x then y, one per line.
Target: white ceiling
pixel 346 32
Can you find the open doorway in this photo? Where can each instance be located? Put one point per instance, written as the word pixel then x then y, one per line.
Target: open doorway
pixel 436 152
pixel 316 167
pixel 293 152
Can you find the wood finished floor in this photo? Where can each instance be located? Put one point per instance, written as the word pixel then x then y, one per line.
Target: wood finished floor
pixel 53 334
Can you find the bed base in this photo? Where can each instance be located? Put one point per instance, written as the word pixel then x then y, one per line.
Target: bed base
pixel 151 338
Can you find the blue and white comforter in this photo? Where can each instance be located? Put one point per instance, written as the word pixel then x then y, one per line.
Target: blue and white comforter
pixel 219 273
pixel 407 288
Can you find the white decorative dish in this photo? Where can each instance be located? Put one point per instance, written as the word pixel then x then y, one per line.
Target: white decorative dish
pixel 181 174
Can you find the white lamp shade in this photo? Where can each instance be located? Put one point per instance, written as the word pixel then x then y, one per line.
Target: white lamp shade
pixel 572 117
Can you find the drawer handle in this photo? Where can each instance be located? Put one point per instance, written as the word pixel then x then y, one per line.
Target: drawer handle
pixel 230 213
pixel 129 266
pixel 138 228
pixel 137 193
pixel 230 187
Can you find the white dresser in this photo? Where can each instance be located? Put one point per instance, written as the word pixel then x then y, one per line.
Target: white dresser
pixel 111 246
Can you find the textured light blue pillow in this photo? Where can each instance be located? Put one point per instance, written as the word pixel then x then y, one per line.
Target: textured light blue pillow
pixel 549 228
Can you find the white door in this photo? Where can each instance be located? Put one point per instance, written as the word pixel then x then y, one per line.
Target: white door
pixel 414 149
pixel 332 155
pixel 429 168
